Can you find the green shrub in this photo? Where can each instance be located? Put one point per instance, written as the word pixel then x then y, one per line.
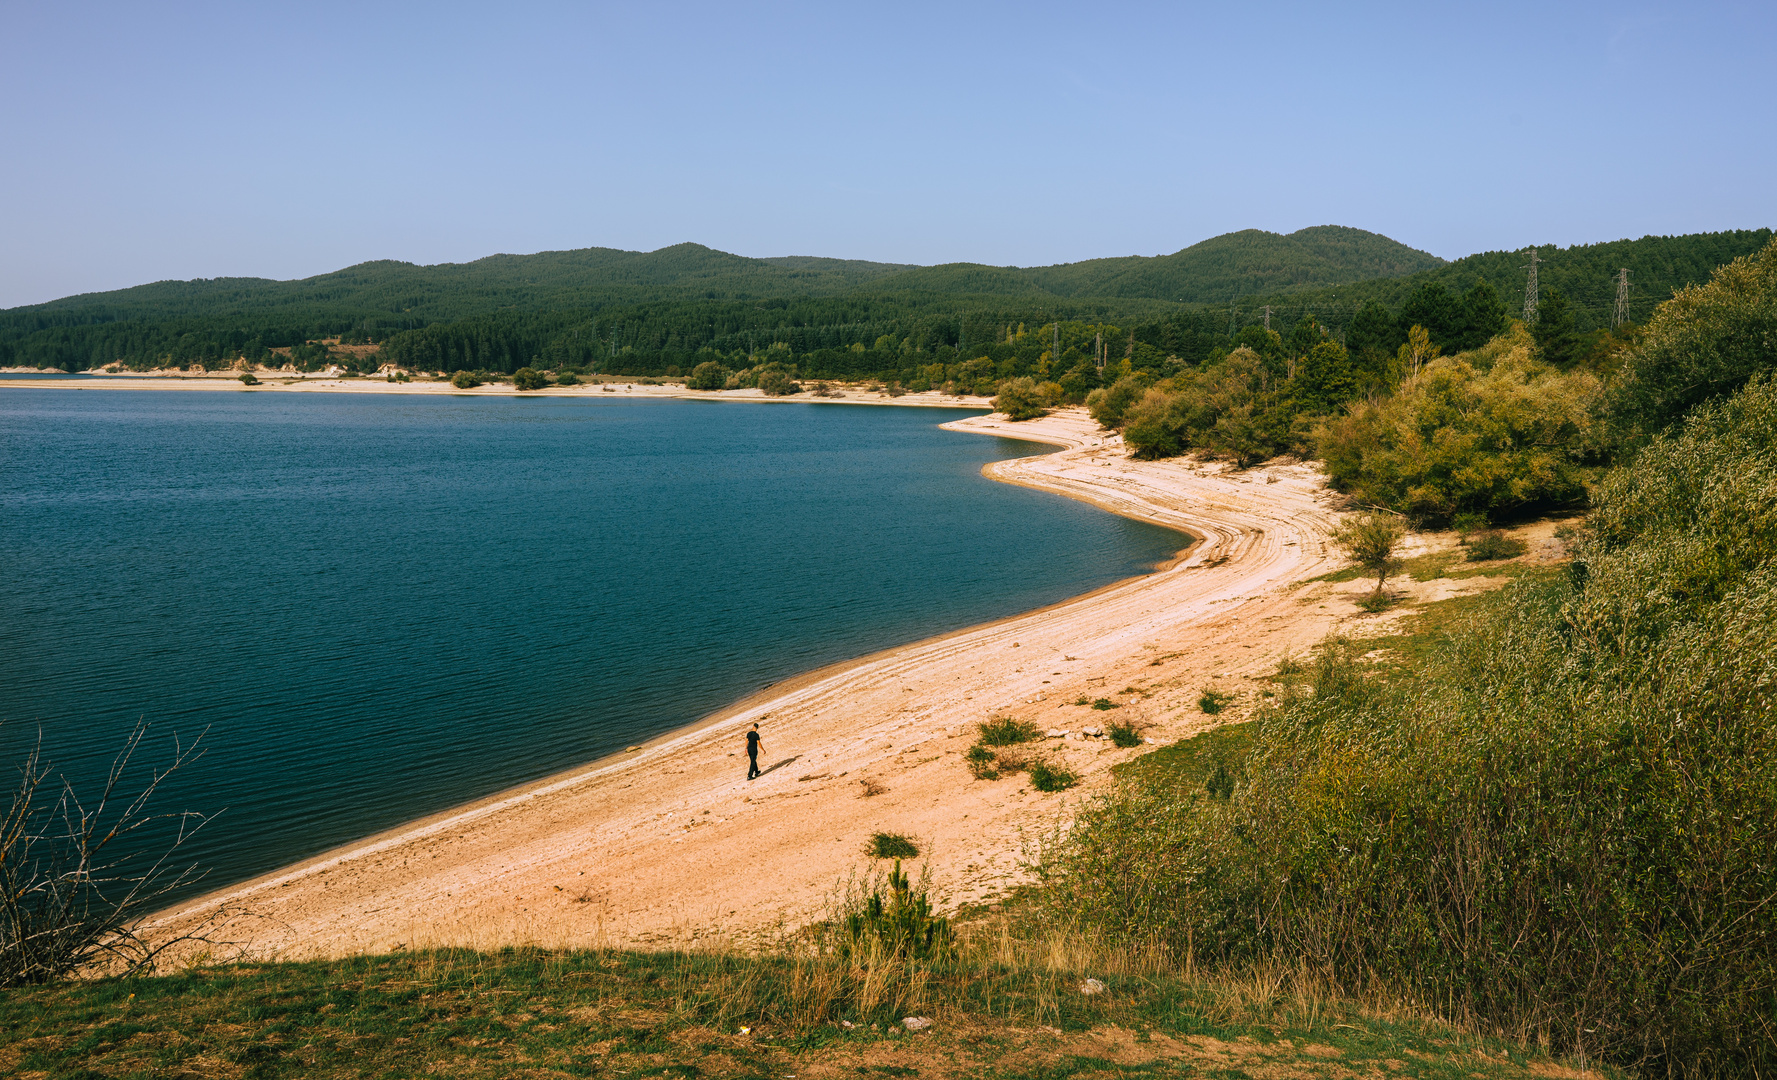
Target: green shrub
pixel 980 761
pixel 1704 342
pixel 1052 776
pixel 567 378
pixel 1489 430
pixel 888 845
pixel 709 375
pixel 1104 703
pixel 1230 409
pixel 249 379
pixel 1108 404
pixel 464 380
pixel 1492 545
pixel 1124 735
pixel 1212 702
pixel 1020 400
pixel 775 382
pixel 1469 521
pixel 1007 731
pixel 1376 602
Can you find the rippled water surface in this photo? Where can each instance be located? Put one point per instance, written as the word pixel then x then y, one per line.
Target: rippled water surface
pixel 381 606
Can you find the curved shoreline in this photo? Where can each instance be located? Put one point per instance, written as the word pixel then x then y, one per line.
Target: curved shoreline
pixel 579 858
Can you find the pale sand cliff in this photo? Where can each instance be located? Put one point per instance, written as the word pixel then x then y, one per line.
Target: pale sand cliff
pixel 670 844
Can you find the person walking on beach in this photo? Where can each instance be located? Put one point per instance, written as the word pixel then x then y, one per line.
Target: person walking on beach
pixel 753 748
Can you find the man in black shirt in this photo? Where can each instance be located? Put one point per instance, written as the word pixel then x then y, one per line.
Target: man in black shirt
pixel 753 748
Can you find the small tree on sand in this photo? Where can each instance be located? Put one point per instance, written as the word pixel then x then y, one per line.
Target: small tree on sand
pixel 1370 542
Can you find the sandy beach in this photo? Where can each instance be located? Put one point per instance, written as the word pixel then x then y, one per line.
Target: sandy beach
pixel 275 382
pixel 669 844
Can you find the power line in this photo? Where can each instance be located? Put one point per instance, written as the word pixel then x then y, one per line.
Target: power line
pixel 1530 290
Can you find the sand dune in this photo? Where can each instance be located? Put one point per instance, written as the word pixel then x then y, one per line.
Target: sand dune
pixel 670 844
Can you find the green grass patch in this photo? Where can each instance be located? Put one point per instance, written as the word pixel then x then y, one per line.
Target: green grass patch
pixel 1190 763
pixel 1123 735
pixel 1213 701
pixel 1105 703
pixel 524 1012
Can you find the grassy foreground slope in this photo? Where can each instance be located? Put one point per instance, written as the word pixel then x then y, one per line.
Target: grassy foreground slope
pixel 528 1013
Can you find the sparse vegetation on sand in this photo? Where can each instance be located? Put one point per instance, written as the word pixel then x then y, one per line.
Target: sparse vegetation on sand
pixel 1008 731
pixel 888 845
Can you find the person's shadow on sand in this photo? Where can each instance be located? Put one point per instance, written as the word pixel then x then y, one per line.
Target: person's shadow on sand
pixel 769 769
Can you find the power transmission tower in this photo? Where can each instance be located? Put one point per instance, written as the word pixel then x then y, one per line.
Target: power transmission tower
pixel 1621 314
pixel 1098 351
pixel 1530 291
pixel 1055 344
pixel 1267 316
pixel 1233 310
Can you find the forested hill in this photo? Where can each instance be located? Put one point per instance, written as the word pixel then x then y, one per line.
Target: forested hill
pixel 403 294
pixel 664 311
pixel 1585 275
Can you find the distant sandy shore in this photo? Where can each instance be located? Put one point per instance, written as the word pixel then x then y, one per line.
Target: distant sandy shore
pixel 671 845
pixel 273 382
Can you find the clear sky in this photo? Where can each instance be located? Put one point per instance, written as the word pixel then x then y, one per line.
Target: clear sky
pixel 169 140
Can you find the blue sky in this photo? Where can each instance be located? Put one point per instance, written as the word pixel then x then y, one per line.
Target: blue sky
pixel 171 140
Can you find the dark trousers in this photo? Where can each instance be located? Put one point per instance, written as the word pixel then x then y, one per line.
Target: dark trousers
pixel 752 764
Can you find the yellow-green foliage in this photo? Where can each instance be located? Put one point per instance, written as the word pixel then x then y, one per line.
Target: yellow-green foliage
pixel 1563 825
pixel 1486 430
pixel 1704 342
pixel 1228 409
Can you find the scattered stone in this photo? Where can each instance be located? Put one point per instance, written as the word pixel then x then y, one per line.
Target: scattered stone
pixel 1092 986
pixel 1055 733
pixel 847 1025
pixel 916 1023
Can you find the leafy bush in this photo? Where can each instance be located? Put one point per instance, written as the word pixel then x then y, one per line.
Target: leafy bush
pixel 981 763
pixel 886 845
pixel 529 379
pixel 1492 545
pixel 709 375
pixel 1491 430
pixel 1212 702
pixel 1563 825
pixel 567 378
pixel 1124 735
pixel 464 380
pixel 776 382
pixel 249 379
pixel 1007 731
pixel 1704 342
pixel 1019 399
pixel 1229 409
pixel 1108 404
pixel 1052 776
pixel 1103 703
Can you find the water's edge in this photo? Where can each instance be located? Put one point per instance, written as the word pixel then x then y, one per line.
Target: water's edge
pixel 746 706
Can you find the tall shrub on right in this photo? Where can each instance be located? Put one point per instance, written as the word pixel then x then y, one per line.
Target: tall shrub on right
pixel 1490 431
pixel 1706 341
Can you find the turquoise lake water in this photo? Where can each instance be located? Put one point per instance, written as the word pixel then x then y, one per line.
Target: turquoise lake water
pixel 382 606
